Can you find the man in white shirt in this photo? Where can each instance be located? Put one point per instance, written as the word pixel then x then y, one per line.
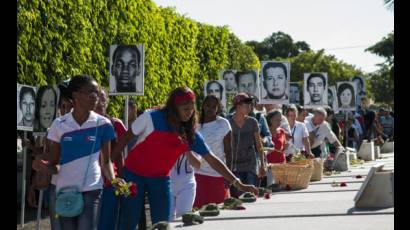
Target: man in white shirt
pixel 318 131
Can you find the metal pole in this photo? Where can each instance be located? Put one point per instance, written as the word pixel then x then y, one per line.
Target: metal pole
pixel 40 202
pixel 23 182
pixel 346 129
pixel 127 98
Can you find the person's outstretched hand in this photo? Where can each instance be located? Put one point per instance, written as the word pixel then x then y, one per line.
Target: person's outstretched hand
pixel 248 188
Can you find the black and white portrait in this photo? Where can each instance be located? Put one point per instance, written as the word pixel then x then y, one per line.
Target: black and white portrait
pixel 332 98
pixel 315 89
pixel 294 93
pixel 247 82
pixel 346 96
pixel 26 107
pixel 361 89
pixel 46 108
pixel 216 88
pixel 275 82
pixel 230 82
pixel 126 70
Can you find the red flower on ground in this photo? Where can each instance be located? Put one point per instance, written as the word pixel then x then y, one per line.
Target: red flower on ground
pixel 358 176
pixel 133 190
pixel 288 188
pixel 267 195
pixel 343 184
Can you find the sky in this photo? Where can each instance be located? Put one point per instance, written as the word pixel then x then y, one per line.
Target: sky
pixel 344 28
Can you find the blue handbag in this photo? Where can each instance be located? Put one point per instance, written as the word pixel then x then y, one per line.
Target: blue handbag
pixel 69 203
pixel 69 200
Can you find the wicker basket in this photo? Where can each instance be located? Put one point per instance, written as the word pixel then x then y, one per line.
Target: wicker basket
pixel 297 175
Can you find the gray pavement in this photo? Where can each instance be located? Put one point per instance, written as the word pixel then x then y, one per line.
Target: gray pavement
pixel 320 206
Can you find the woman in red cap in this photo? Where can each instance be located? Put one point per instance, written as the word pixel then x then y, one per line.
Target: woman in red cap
pixel 163 135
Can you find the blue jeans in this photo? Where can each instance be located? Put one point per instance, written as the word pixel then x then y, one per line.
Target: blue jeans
pixel 54 222
pixel 88 220
pixel 246 178
pixel 110 206
pixel 159 196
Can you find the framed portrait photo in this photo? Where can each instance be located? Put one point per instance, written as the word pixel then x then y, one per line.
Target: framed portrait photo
pixel 26 107
pixel 248 82
pixel 332 98
pixel 294 93
pixel 346 100
pixel 126 70
pixel 315 89
pixel 46 108
pixel 217 88
pixel 274 82
pixel 230 82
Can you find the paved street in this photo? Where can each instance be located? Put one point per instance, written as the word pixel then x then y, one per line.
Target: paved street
pixel 320 206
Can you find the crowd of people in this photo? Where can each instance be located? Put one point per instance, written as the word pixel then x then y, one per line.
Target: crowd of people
pixel 177 161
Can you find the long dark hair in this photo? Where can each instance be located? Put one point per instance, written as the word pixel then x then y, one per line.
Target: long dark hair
pixel 184 129
pixel 207 98
pixel 40 94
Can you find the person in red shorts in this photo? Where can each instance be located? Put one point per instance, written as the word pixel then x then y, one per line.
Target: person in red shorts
pixel 216 130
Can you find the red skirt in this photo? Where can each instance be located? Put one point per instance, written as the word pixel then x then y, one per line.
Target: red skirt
pixel 210 189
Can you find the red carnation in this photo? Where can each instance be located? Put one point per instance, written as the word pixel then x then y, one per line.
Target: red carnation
pixel 133 190
pixel 267 195
pixel 288 188
pixel 343 184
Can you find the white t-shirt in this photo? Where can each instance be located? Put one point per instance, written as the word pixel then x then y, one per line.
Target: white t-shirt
pixel 214 133
pixel 321 131
pixel 299 131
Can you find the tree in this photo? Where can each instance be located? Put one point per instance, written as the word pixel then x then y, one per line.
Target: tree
pixel 278 45
pixel 384 48
pixel 382 86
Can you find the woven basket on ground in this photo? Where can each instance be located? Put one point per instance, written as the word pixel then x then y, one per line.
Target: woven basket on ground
pixel 297 174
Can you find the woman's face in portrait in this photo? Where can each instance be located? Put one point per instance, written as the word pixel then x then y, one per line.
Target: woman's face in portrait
pixel 346 97
pixel 47 108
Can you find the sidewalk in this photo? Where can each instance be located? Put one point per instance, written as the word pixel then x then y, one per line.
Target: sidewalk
pixel 320 206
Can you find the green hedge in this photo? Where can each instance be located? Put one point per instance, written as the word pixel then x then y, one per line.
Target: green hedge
pixel 59 39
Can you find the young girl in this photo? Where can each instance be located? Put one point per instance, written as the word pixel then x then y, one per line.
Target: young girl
pixel 183 184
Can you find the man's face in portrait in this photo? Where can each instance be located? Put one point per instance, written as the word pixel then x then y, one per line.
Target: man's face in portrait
pixel 294 94
pixel 230 83
pixel 27 106
pixel 316 87
pixel 275 82
pixel 247 83
pixel 125 69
